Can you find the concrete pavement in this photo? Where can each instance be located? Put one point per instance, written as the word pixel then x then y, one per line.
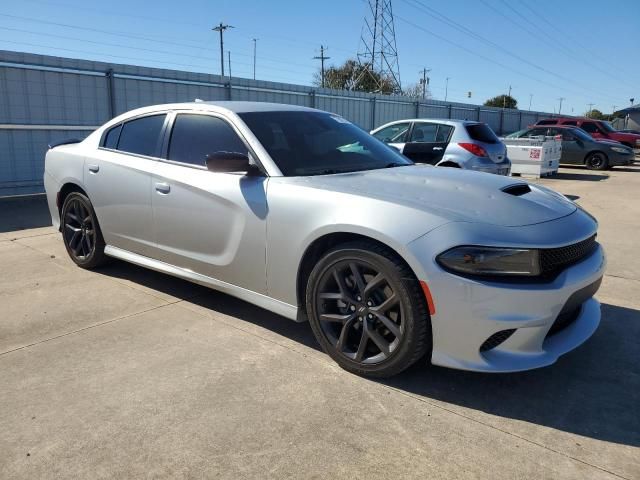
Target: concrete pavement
pixel 127 373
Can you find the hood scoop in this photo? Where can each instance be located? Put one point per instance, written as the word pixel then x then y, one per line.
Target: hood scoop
pixel 517 190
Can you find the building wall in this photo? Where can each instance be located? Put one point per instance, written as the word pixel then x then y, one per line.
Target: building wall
pixel 44 99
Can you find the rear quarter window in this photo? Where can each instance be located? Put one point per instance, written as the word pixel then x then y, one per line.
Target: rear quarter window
pixel 481 132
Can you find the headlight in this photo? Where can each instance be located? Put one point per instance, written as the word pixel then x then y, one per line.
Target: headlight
pixel 475 260
pixel 621 150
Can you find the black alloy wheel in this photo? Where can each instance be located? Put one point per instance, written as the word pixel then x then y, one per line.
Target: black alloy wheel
pixel 367 310
pixel 81 232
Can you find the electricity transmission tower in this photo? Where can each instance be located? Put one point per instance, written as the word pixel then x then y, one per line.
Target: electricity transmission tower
pixel 378 54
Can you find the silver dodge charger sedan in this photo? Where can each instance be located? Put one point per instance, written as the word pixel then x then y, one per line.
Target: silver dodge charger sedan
pixel 305 214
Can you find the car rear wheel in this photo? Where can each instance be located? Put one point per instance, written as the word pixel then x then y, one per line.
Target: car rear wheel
pixel 597 161
pixel 81 232
pixel 367 310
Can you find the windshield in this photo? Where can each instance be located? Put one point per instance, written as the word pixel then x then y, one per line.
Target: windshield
pixel 607 126
pixel 318 143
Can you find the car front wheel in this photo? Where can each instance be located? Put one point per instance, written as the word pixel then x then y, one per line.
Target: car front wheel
pixel 367 310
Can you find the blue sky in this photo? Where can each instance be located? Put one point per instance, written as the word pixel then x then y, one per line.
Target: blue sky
pixel 586 52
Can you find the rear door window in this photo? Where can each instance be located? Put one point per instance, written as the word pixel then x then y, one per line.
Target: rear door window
pixel 141 135
pixel 547 122
pixel 444 132
pixel 195 136
pixel 573 123
pixel 481 132
pixel 424 132
pixel 112 136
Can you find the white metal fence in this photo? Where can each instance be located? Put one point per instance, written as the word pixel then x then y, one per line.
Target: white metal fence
pixel 44 99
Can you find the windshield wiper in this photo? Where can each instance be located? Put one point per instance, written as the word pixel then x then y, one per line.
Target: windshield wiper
pixel 396 164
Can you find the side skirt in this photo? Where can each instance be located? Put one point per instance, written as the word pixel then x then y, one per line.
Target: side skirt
pixel 268 303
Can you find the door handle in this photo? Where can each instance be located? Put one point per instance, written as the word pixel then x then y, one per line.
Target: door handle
pixel 163 188
pixel 94 168
pixel 437 148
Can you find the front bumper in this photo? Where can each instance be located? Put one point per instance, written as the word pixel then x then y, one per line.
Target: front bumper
pixel 470 311
pixel 619 159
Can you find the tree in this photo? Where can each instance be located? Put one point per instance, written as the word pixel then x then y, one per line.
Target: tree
pixel 415 91
pixel 352 75
pixel 596 115
pixel 502 101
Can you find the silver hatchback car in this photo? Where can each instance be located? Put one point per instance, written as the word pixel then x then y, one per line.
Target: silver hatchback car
pixel 447 143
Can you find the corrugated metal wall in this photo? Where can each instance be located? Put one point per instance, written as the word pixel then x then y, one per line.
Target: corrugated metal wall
pixel 45 99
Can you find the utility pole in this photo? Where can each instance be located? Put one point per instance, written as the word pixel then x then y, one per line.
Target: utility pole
pixel 229 53
pixel 322 58
pixel 221 28
pixel 255 41
pixel 590 107
pixel 424 81
pixel 560 109
pixel 504 100
pixel 530 100
pixel 446 89
pixel 613 108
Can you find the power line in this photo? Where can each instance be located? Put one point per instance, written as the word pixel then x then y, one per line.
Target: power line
pixel 137 37
pixel 565 35
pixel 421 6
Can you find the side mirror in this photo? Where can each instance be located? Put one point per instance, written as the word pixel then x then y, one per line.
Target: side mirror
pixel 226 162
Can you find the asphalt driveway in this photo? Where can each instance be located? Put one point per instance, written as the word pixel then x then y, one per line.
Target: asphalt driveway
pixel 127 373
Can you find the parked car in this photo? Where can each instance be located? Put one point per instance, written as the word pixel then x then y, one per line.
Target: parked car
pixel 305 214
pixel 578 148
pixel 447 143
pixel 635 132
pixel 598 129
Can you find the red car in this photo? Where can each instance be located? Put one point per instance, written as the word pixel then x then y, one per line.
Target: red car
pixel 597 129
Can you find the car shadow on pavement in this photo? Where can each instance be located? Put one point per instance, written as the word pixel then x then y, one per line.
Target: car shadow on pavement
pixel 593 391
pixel 212 300
pixel 20 213
pixel 587 177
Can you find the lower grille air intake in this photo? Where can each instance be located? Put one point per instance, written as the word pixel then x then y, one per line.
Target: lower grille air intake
pixel 496 339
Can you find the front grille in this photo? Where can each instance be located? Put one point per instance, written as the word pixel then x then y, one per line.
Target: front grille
pixel 496 339
pixel 553 260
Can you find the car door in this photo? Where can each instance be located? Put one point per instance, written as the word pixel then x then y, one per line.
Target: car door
pixel 423 145
pixel 118 179
pixel 209 222
pixel 394 135
pixel 572 147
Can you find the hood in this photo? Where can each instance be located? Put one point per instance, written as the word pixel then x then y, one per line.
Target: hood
pixel 452 194
pixel 630 137
pixel 608 142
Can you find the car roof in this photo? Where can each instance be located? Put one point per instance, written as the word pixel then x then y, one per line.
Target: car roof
pixel 221 106
pixel 433 120
pixel 553 126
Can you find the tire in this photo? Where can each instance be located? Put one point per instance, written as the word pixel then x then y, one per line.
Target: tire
pixel 81 233
pixel 449 164
pixel 597 161
pixel 375 324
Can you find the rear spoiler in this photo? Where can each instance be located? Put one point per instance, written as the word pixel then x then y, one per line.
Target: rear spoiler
pixel 69 141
